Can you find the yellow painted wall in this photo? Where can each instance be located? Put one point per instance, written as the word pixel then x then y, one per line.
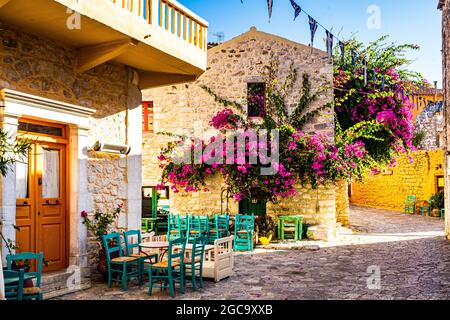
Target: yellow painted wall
pixel 389 191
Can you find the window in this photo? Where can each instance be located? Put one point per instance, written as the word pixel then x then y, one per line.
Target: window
pixel 29 127
pixel 440 184
pixel 147 117
pixel 256 99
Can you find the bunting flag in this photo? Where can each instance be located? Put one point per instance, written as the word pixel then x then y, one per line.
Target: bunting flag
pixel 342 46
pixel 353 59
pixel 329 45
pixel 365 72
pixel 313 28
pixel 383 82
pixel 270 6
pixel 374 76
pixel 297 9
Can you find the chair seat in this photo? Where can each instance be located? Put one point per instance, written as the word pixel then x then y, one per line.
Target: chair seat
pixel 124 259
pixel 289 229
pixel 165 264
pixel 217 230
pixel 31 291
pixel 174 231
pixel 139 255
pixel 194 232
pixel 243 231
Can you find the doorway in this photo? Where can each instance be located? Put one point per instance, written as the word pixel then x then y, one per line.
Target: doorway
pixel 41 193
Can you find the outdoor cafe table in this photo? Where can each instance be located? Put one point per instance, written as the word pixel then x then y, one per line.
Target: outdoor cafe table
pixel 162 246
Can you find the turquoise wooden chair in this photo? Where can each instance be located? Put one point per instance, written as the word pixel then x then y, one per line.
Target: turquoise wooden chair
pixel 198 226
pixel 133 249
pixel 33 293
pixel 14 291
pixel 410 205
pixel 122 268
pixel 442 214
pixel 194 264
pixel 244 228
pixel 167 273
pixel 426 209
pixel 184 221
pixel 219 226
pixel 173 227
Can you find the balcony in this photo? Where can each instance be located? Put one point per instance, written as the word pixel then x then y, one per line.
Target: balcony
pixel 163 40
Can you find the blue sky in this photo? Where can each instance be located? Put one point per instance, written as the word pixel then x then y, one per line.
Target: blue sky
pixel 406 21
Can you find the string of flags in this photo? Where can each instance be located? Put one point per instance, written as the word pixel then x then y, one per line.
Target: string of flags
pixel 330 37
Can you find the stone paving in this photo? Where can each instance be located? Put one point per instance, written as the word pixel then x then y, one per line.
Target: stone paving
pixel 411 253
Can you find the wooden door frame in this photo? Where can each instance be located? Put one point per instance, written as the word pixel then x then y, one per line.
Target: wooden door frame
pixel 64 140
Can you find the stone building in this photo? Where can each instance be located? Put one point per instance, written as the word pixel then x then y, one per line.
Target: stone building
pixel 71 75
pixel 233 67
pixel 444 6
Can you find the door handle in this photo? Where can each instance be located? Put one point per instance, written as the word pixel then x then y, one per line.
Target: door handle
pixel 40 181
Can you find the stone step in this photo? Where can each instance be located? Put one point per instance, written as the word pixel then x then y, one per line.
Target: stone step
pixel 55 284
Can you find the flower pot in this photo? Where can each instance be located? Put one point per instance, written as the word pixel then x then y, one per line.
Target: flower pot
pixel 102 266
pixel 18 266
pixel 265 241
pixel 436 213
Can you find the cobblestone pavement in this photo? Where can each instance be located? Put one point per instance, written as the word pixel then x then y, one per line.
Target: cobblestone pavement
pixel 411 252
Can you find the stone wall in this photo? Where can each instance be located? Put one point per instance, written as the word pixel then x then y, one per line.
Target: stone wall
pixel 445 4
pixel 388 190
pixel 342 203
pixel 44 68
pixel 187 108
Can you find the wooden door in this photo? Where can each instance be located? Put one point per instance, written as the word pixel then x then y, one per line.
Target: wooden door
pixel 25 203
pixel 41 215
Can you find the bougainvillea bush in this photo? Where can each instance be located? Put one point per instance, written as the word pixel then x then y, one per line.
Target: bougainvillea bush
pixel 302 159
pixel 377 94
pixel 373 124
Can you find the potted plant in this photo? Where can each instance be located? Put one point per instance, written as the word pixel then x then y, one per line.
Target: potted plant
pixel 265 228
pixel 99 225
pixel 437 203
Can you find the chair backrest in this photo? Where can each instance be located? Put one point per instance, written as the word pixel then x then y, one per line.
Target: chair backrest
pixel 223 221
pixel 410 200
pixel 183 221
pixel 245 222
pixel 14 291
pixel 112 244
pixel 198 248
pixel 174 251
pixel 172 221
pixel 130 244
pixel 38 258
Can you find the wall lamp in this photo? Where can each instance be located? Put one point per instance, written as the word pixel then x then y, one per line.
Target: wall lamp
pixel 111 148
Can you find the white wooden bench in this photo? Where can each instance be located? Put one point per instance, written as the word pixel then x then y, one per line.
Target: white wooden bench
pixel 218 263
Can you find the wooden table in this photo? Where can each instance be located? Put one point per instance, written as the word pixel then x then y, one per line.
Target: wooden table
pixel 162 246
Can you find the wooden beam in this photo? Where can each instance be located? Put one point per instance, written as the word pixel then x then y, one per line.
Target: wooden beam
pixel 3 3
pixel 149 80
pixel 92 56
